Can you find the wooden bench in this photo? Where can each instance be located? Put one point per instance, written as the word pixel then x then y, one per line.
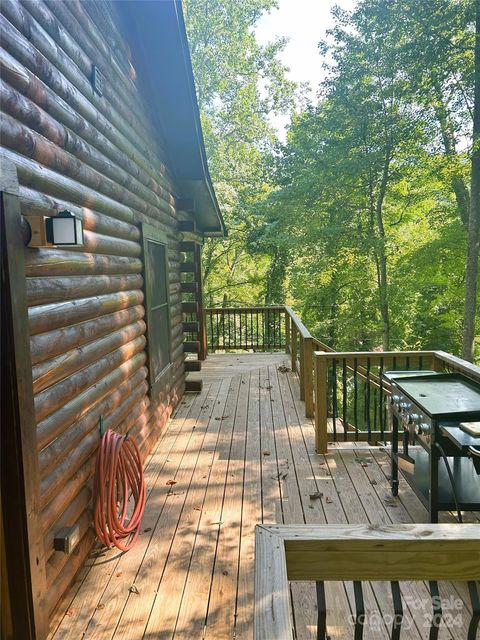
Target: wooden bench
pixel 425 552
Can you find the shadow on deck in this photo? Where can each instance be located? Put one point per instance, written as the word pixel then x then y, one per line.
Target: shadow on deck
pixel 238 454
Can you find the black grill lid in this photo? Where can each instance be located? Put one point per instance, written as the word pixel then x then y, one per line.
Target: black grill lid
pixel 442 395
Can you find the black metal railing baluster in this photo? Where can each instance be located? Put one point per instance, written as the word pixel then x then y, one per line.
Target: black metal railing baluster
pixel 367 399
pixel 436 610
pixel 274 327
pixel 267 325
pixel 234 314
pixel 397 611
pixel 359 610
pixel 344 398
pixel 355 396
pixel 475 619
pixel 322 611
pixel 334 397
pixel 240 329
pixel 258 331
pixel 381 399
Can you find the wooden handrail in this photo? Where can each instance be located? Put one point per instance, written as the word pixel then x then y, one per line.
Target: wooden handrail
pixel 353 552
pixel 360 362
pixel 301 328
pixel 304 349
pixel 246 328
pixel 459 364
pixel 246 309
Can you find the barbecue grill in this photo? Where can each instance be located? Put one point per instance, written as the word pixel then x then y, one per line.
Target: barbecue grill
pixel 437 416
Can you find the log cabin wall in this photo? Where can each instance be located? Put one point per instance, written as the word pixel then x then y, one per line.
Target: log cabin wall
pixel 96 156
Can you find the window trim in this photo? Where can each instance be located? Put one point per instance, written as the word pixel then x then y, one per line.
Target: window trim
pixel 153 234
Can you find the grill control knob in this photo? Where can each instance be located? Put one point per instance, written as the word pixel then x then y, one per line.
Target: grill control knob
pixel 395 399
pixel 413 418
pixel 423 428
pixel 404 406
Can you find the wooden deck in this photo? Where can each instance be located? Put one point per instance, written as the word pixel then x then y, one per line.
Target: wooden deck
pixel 240 453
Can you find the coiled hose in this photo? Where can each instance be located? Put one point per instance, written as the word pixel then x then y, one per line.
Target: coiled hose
pixel 118 474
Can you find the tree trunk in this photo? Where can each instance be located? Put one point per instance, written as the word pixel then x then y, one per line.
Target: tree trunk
pixel 379 250
pixel 459 187
pixel 473 246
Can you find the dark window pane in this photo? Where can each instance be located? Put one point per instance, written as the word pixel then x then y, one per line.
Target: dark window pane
pixel 159 340
pixel 156 275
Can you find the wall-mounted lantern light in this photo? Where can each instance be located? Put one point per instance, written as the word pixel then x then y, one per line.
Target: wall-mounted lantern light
pixel 63 230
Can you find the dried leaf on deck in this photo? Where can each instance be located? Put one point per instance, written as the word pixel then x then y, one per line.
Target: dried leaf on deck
pixel 390 501
pixel 316 496
pixel 133 589
pixel 363 461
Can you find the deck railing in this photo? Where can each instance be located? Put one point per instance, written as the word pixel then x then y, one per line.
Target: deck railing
pixel 345 392
pixel 245 328
pixel 351 396
pixel 358 553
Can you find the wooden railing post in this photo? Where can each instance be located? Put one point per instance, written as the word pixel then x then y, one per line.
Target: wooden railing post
pixel 20 495
pixel 308 376
pixel 287 332
pixel 293 349
pixel 321 400
pixel 202 334
pixel 301 373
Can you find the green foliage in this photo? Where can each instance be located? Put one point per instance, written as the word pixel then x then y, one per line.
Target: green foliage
pixel 372 193
pixel 239 83
pixel 359 220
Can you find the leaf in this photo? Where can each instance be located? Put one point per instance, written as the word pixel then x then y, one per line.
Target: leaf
pixel 134 589
pixel 283 369
pixel 364 461
pixel 328 500
pixel 171 482
pixel 318 495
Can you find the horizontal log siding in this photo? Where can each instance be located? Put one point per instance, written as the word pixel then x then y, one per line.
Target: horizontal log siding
pixel 95 156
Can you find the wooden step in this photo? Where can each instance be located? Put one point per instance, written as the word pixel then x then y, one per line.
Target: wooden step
pixel 189 287
pixel 193 386
pixel 191 346
pixel 193 365
pixel 188 267
pixel 191 327
pixel 189 307
pixel 185 204
pixel 186 225
pixel 187 247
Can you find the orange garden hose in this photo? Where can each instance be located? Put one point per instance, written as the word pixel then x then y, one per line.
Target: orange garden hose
pixel 118 473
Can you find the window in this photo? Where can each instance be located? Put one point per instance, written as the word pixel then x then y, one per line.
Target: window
pixel 157 305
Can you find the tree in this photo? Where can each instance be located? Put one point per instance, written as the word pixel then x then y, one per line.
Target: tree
pixel 239 84
pixel 473 247
pixel 371 196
